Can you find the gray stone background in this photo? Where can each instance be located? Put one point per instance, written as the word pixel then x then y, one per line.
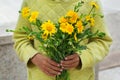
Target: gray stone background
pixel 11 68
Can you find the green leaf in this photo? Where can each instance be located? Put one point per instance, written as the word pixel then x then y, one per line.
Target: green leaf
pixel 38 23
pixel 81 47
pixel 57 25
pixel 19 11
pixel 76 8
pixel 102 16
pixel 27 30
pixel 82 15
pixel 85 23
pixel 87 31
pixel 8 30
pixel 94 14
pixel 101 34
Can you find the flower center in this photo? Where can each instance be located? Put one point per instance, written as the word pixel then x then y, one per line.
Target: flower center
pixel 49 28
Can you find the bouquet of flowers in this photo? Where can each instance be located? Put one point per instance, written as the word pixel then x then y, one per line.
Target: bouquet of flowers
pixel 63 38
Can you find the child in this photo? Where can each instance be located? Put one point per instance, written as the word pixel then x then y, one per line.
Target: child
pixel 40 66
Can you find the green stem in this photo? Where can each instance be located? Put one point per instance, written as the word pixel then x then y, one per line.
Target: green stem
pixel 82 39
pixel 91 10
pixel 57 52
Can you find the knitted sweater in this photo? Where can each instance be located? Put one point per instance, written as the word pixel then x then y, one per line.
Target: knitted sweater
pixel 52 10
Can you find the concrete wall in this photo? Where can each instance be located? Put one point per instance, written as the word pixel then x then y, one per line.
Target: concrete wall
pixel 10 66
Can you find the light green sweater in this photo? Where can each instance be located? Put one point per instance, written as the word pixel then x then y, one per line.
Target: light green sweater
pixel 53 9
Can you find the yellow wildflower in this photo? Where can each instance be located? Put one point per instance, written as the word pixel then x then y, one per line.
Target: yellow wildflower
pixel 88 17
pixel 75 37
pixel 44 36
pixel 70 29
pixel 72 16
pixel 25 12
pixel 80 26
pixel 48 28
pixel 63 27
pixel 95 5
pixel 66 28
pixel 62 20
pixel 33 16
pixel 92 21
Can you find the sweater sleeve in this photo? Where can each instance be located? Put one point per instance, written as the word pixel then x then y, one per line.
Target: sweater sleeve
pixel 22 45
pixel 97 48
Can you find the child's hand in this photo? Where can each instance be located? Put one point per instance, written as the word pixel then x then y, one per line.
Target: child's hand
pixel 71 61
pixel 47 65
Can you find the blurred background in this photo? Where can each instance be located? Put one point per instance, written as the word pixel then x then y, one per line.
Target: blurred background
pixel 12 69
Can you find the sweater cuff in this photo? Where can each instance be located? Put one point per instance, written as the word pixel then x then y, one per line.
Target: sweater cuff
pixel 86 59
pixel 30 52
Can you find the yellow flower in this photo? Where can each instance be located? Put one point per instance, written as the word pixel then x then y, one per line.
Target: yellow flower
pixel 33 16
pixel 72 16
pixel 80 26
pixel 95 5
pixel 25 12
pixel 92 21
pixel 48 28
pixel 70 28
pixel 75 37
pixel 66 28
pixel 62 20
pixel 88 17
pixel 63 27
pixel 44 36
